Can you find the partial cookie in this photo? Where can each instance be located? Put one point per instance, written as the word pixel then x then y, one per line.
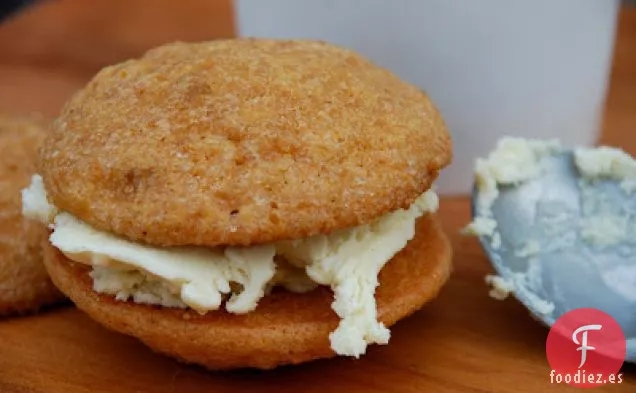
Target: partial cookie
pixel 285 328
pixel 241 142
pixel 24 283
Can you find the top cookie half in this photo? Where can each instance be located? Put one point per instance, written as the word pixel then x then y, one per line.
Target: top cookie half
pixel 241 142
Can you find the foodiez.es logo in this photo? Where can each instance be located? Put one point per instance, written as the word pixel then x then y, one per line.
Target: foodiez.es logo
pixel 586 347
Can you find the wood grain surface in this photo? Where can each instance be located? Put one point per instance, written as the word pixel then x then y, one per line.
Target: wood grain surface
pixel 462 342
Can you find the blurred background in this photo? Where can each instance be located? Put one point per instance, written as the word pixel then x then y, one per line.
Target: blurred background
pixel 541 68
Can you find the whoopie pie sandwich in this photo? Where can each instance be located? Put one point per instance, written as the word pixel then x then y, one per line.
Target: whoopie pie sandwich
pixel 245 202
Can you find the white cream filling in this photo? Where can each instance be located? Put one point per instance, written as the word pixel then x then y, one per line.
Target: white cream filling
pixel 348 261
pixel 198 275
pixel 34 203
pixel 607 162
pixel 513 161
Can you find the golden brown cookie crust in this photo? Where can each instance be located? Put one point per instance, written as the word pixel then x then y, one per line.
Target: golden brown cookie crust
pixel 285 328
pixel 24 283
pixel 241 142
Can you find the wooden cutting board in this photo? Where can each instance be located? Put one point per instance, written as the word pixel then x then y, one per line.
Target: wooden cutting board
pixel 461 342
